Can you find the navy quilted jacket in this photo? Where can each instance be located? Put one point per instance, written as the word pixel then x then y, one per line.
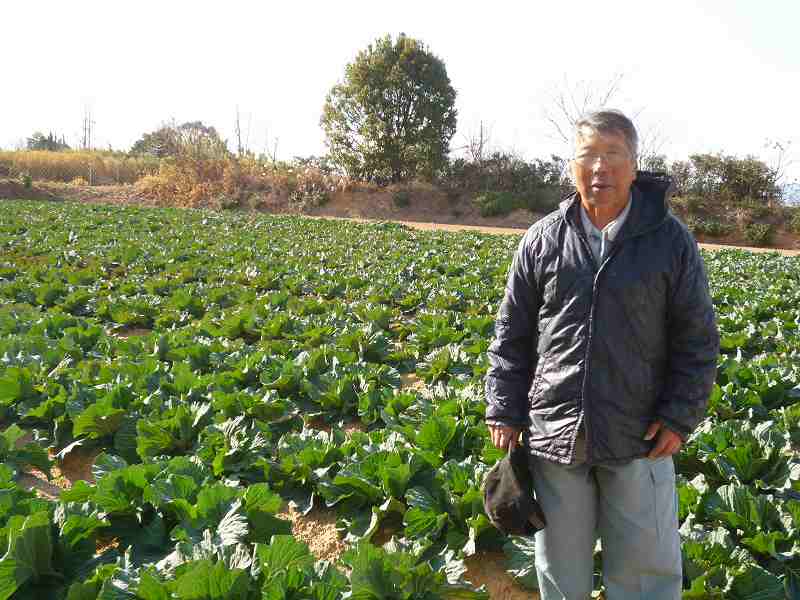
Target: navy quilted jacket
pixel 613 345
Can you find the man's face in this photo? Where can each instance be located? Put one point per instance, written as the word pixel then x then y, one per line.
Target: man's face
pixel 603 169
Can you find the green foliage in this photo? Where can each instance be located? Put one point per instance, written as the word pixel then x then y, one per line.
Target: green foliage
pixel 759 234
pixel 710 227
pixel 521 554
pixel 393 115
pixel 309 194
pixel 29 555
pixel 537 185
pixel 492 204
pixel 653 163
pixel 757 210
pixel 347 372
pixel 214 410
pixel 50 142
pixel 17 456
pixel 378 574
pixel 693 203
pixel 794 222
pixel 722 178
pixel 401 198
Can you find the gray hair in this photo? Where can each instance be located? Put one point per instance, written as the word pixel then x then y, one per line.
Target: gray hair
pixel 610 121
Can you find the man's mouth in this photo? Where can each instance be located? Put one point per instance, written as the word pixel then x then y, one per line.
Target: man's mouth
pixel 600 186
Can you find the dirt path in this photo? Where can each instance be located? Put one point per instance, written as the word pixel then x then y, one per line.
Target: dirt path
pixel 783 251
pixel 519 231
pixel 429 210
pixel 426 226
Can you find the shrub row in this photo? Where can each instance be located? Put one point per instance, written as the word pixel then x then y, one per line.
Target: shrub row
pixel 756 234
pixel 794 221
pixel 759 234
pixel 711 227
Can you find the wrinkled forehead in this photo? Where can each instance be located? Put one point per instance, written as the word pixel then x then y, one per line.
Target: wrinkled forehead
pixel 588 137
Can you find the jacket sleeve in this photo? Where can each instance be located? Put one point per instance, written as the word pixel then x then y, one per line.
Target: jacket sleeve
pixel 693 344
pixel 511 353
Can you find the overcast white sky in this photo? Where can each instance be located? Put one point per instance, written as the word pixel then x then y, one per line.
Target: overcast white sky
pixel 712 76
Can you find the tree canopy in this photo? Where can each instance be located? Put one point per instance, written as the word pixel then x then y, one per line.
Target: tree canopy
pixel 40 141
pixel 191 139
pixel 726 177
pixel 393 115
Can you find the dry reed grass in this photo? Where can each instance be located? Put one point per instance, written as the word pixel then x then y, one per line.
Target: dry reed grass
pixel 94 167
pixel 185 181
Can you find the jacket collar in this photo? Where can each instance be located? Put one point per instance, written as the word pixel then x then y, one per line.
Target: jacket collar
pixel 649 205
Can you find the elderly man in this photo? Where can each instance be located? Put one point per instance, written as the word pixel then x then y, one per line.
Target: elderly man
pixel 605 354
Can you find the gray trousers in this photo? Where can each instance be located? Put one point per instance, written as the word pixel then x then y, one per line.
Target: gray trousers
pixel 633 508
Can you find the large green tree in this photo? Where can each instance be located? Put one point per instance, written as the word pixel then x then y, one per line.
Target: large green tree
pixel 393 115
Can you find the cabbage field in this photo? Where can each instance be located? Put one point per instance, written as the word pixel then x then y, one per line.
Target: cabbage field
pixel 222 365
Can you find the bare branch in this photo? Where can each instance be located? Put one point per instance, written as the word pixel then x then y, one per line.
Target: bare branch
pixel 571 101
pixel 651 148
pixel 237 128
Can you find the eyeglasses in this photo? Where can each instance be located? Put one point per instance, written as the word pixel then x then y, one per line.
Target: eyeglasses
pixel 613 159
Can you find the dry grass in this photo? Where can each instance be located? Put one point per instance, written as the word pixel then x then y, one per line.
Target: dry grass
pixel 94 167
pixel 234 183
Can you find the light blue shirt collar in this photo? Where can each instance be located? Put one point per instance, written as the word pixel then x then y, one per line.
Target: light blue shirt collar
pixel 599 239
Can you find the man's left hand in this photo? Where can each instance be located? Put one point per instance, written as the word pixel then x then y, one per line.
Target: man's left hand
pixel 667 443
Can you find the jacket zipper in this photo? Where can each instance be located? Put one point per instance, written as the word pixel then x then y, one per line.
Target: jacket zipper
pixel 614 249
pixel 584 397
pixel 584 412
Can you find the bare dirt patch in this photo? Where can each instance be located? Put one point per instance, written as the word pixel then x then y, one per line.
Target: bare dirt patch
pixel 105 194
pixel 75 466
pixel 488 568
pixel 410 381
pixel 722 246
pixel 789 248
pixel 318 530
pixel 35 480
pixel 348 427
pixel 426 204
pixel 132 332
pixel 12 189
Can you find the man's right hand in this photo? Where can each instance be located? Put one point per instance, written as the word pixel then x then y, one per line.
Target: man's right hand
pixel 503 437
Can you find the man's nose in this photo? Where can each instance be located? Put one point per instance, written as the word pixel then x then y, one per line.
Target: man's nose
pixel 600 164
